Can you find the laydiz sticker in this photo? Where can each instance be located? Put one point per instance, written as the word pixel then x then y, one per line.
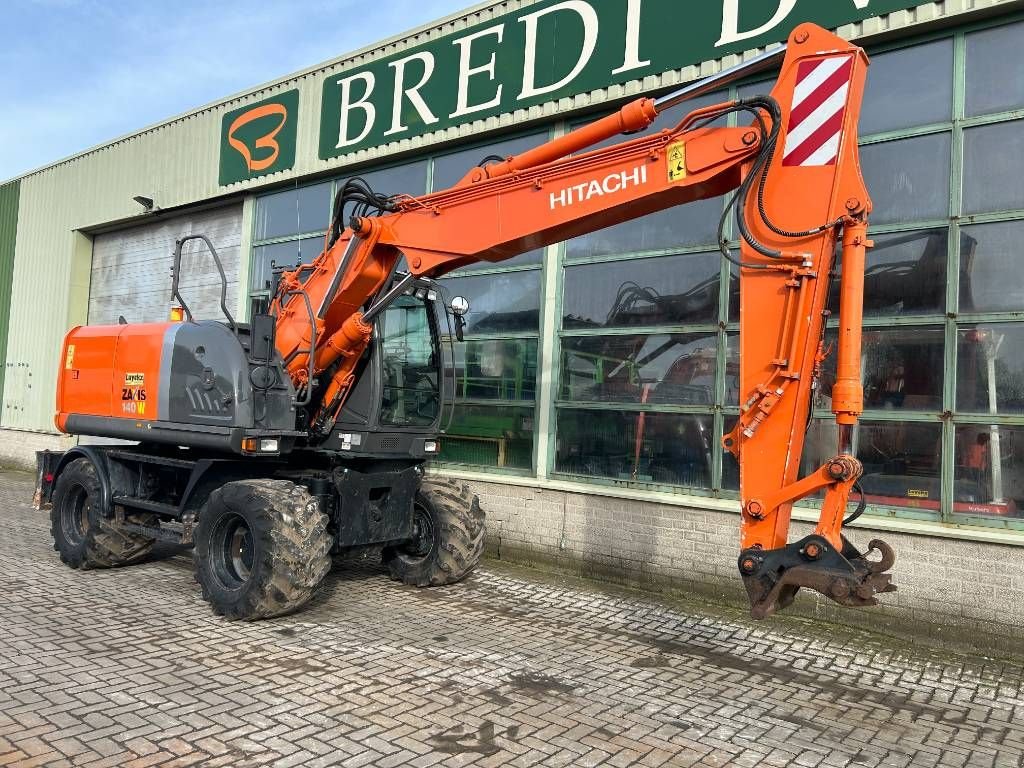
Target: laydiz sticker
pixel 133 394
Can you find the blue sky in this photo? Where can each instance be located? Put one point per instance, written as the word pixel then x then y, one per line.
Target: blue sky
pixel 77 73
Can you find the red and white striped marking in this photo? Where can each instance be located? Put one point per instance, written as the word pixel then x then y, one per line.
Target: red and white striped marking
pixel 819 108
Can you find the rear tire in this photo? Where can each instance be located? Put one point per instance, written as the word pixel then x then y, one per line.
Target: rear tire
pixel 261 548
pixel 448 539
pixel 82 536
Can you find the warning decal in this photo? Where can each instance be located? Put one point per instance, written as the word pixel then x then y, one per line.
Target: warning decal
pixel 677 161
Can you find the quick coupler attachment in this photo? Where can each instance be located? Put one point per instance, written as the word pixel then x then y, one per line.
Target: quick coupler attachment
pixel 774 576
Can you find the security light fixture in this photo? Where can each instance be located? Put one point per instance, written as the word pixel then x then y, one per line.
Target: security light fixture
pixel 145 202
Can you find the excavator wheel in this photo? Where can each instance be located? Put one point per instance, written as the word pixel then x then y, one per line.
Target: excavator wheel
pixel 81 535
pixel 261 548
pixel 448 536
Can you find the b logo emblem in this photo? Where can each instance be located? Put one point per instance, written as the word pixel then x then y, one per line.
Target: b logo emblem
pixel 259 138
pixel 267 141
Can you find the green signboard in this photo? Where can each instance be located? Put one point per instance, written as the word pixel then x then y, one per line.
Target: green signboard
pixel 549 50
pixel 259 138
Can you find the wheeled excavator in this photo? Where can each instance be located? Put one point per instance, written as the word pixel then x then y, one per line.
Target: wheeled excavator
pixel 271 445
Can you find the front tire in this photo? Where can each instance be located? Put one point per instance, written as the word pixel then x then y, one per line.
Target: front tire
pixel 448 536
pixel 261 548
pixel 82 536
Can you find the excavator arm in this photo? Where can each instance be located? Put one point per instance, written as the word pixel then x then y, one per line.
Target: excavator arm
pixel 797 198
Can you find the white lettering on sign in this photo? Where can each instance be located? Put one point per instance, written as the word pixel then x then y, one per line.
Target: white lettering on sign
pixel 731 21
pixel 347 105
pixel 412 94
pixel 590 29
pixel 466 71
pixel 613 183
pixel 632 59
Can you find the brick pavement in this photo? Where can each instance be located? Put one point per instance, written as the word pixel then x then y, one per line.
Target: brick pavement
pixel 511 667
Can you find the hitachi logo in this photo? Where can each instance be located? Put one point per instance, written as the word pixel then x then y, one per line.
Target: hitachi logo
pixel 611 184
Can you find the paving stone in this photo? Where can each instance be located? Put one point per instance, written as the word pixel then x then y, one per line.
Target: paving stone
pixel 510 668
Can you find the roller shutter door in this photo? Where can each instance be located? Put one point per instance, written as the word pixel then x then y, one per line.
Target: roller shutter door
pixel 131 268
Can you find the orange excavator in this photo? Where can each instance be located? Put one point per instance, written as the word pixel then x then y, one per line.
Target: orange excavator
pixel 273 444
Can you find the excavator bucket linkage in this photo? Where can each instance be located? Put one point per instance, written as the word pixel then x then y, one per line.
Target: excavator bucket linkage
pixel 773 577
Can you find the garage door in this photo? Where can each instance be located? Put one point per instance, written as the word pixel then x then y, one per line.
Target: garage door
pixel 131 268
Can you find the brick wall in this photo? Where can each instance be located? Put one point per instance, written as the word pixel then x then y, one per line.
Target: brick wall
pixel 18 448
pixel 962 592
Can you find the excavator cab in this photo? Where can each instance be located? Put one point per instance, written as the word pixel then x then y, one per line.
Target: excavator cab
pixel 403 396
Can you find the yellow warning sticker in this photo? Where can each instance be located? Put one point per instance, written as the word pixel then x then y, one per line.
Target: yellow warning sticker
pixel 916 494
pixel 69 361
pixel 134 379
pixel 677 161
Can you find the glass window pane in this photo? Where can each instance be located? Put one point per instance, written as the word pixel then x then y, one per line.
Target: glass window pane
pixel 668 290
pixel 411 396
pixel 266 258
pixel 994 167
pixel 990 267
pixel 503 369
pixel 732 369
pixel 664 448
pixel 905 274
pixel 902 369
pixel 730 467
pixel 679 227
pixel 294 211
pixel 989 475
pixel 669 370
pixel 450 169
pixel 408 179
pixel 990 368
pixel 499 303
pixel 901 460
pixel 995 70
pixel 490 436
pixel 908 179
pixel 909 87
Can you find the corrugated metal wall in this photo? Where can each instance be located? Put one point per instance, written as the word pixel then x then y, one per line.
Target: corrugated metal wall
pixel 177 164
pixel 131 268
pixel 8 237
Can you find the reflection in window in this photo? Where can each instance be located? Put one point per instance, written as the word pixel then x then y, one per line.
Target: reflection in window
pixel 668 290
pixel 909 87
pixel 485 435
pixel 902 369
pixel 496 369
pixel 293 212
pixel 990 368
pixel 676 369
pixel 908 179
pixel 499 303
pixel 410 396
pixel 730 467
pixel 995 70
pixel 266 258
pixel 408 179
pixel 990 268
pixel 902 460
pixel 905 274
pixel 994 167
pixel 680 227
pixel 989 473
pixel 636 447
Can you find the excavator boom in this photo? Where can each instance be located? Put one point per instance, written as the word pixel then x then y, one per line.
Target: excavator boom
pixel 798 196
